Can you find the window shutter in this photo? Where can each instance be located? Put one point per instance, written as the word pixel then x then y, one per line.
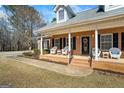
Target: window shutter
pixel 60 43
pixel 52 42
pixel 64 42
pixel 99 41
pixel 122 41
pixel 115 40
pixel 74 43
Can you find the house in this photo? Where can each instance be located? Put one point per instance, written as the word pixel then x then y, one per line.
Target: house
pixel 99 28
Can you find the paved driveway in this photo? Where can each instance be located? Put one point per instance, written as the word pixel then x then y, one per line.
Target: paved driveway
pixel 12 53
pixel 59 68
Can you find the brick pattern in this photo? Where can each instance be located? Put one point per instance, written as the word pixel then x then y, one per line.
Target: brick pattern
pixel 101 65
pixel 77 51
pixel 80 63
pixel 55 59
pixel 78 36
pixel 109 66
pixel 119 40
pixel 65 60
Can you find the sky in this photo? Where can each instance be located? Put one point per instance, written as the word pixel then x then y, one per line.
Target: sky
pixel 48 13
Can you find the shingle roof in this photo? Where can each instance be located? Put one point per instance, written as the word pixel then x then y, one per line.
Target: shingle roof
pixel 85 16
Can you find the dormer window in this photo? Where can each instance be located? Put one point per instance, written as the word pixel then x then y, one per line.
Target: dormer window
pixel 61 14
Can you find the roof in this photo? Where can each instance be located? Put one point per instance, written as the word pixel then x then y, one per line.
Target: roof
pixel 84 16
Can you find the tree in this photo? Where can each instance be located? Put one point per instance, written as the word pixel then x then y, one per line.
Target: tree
pixel 24 20
pixel 5 41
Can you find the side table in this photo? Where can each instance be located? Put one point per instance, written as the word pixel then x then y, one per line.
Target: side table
pixel 59 52
pixel 105 54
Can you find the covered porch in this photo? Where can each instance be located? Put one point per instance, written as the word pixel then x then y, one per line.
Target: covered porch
pixel 81 43
pixel 81 38
pixel 77 43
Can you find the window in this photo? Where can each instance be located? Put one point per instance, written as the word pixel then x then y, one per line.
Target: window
pixel 73 43
pixel 106 41
pixel 57 43
pixel 61 14
pixel 46 44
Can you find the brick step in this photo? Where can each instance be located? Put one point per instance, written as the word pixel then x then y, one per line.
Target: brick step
pixel 80 61
pixel 74 61
pixel 80 65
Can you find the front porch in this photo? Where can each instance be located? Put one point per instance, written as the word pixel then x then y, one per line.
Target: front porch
pixel 80 43
pixel 106 64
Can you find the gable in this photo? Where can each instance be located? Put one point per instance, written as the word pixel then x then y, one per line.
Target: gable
pixel 63 13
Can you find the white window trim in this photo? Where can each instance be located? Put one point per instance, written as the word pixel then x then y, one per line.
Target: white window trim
pixel 65 16
pixel 105 35
pixel 55 39
pixel 47 45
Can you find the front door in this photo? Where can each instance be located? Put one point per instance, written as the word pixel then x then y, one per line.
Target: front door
pixel 85 45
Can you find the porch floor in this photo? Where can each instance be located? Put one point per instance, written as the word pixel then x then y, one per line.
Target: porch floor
pixel 121 60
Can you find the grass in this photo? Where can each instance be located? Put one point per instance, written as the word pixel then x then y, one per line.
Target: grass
pixel 23 75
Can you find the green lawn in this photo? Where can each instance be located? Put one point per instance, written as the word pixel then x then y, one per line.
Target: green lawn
pixel 22 75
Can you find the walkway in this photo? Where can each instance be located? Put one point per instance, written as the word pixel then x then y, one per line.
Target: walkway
pixel 59 68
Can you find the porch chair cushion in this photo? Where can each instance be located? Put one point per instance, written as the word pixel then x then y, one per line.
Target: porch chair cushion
pixel 53 50
pixel 93 52
pixel 115 52
pixel 65 50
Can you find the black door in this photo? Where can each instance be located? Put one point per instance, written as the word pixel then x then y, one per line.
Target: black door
pixel 85 45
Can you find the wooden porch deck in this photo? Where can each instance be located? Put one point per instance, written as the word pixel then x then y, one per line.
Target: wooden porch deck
pixel 106 64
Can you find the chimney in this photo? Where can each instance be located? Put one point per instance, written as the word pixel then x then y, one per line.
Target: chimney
pixel 101 8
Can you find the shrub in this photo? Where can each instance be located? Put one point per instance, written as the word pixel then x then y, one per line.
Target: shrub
pixel 28 54
pixel 46 51
pixel 36 52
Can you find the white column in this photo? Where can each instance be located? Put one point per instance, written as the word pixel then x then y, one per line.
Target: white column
pixel 69 45
pixel 96 44
pixel 41 45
